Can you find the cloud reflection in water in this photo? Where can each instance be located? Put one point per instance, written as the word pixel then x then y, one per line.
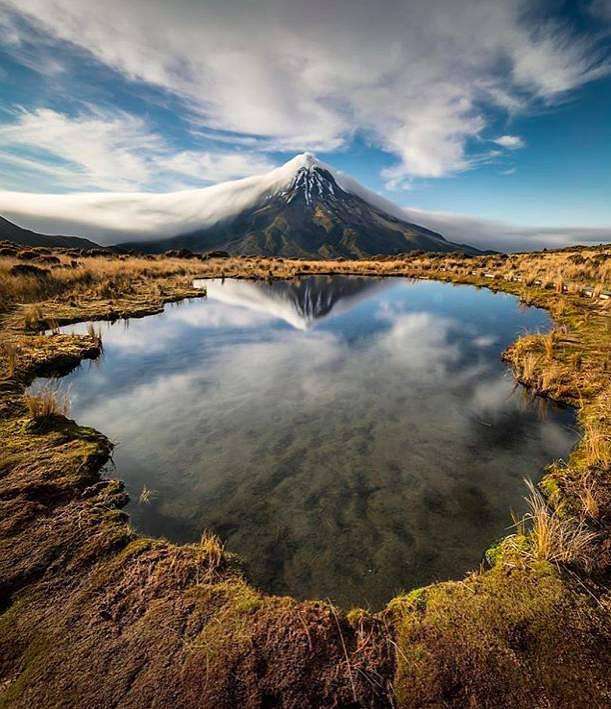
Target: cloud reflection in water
pixel 347 437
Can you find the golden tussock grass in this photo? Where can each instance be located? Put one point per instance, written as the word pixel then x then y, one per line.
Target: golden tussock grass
pixel 552 537
pixel 32 317
pixel 212 550
pixel 587 496
pixel 102 276
pixel 530 365
pixel 112 276
pixel 548 345
pixel 9 357
pixel 47 402
pixel 595 447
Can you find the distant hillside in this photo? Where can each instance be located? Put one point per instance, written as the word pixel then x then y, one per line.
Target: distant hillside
pixel 25 237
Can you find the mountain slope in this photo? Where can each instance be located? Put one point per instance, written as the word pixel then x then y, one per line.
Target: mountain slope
pixel 310 211
pixel 302 208
pixel 25 237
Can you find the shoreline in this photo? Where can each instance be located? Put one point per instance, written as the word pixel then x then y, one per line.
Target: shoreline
pixel 64 530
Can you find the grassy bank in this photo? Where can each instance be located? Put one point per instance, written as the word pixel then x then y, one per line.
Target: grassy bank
pixel 91 613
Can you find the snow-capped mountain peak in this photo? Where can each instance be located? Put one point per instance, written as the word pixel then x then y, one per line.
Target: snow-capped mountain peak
pixel 303 161
pixel 302 208
pixel 311 179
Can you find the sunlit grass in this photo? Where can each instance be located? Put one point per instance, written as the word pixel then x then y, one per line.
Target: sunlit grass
pixel 552 537
pixel 9 357
pixel 49 401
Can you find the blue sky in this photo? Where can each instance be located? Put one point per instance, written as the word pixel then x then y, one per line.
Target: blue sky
pixel 491 111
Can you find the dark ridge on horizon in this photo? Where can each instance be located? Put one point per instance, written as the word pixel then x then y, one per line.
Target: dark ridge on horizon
pixel 25 237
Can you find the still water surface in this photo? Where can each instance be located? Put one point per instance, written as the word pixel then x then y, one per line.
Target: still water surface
pixel 347 437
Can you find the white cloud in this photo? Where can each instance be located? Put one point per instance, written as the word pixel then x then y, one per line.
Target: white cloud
pixel 216 167
pixel 104 151
pixel 511 142
pixel 115 217
pixel 504 236
pixel 110 151
pixel 415 77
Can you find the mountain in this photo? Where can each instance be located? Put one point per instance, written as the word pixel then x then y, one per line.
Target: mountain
pixel 25 237
pixel 300 303
pixel 303 209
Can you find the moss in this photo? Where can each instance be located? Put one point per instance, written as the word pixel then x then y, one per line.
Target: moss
pixel 355 616
pixel 229 631
pixel 494 553
pixel 82 586
pixel 508 637
pixel 550 486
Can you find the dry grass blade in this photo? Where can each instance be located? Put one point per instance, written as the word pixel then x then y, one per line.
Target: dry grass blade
pixel 9 352
pixel 555 538
pixel 146 495
pixel 47 402
pixel 346 655
pixel 548 344
pixel 212 550
pixel 588 498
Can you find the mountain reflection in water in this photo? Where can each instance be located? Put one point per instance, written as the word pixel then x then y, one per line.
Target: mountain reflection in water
pixel 300 302
pixel 347 437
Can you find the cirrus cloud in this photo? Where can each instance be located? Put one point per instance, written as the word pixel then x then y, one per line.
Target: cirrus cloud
pixel 110 150
pixel 418 79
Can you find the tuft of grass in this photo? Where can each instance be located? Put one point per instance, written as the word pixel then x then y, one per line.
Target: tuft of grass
pixel 530 365
pixel 32 317
pixel 552 537
pixel 213 551
pixel 10 353
pixel 96 335
pixel 47 402
pixel 548 345
pixel 596 444
pixel 53 325
pixel 588 498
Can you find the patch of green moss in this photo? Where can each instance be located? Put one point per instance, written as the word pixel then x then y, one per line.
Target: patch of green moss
pixel 494 553
pixel 33 662
pixel 232 603
pixel 414 600
pixel 508 637
pixel 355 616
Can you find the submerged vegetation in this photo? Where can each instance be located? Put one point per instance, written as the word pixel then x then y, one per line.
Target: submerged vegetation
pixel 91 611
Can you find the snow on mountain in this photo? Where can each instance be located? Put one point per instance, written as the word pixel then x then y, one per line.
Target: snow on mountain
pixel 110 217
pixel 299 304
pixel 303 208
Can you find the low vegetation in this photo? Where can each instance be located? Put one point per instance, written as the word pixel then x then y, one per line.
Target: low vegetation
pixel 92 612
pixel 546 534
pixel 49 401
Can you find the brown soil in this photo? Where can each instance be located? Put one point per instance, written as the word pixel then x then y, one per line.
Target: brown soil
pixel 92 614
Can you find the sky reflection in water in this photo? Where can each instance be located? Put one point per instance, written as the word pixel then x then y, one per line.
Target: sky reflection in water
pixel 349 438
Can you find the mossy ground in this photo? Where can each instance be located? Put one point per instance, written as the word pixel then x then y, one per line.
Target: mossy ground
pixel 92 614
pixel 514 636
